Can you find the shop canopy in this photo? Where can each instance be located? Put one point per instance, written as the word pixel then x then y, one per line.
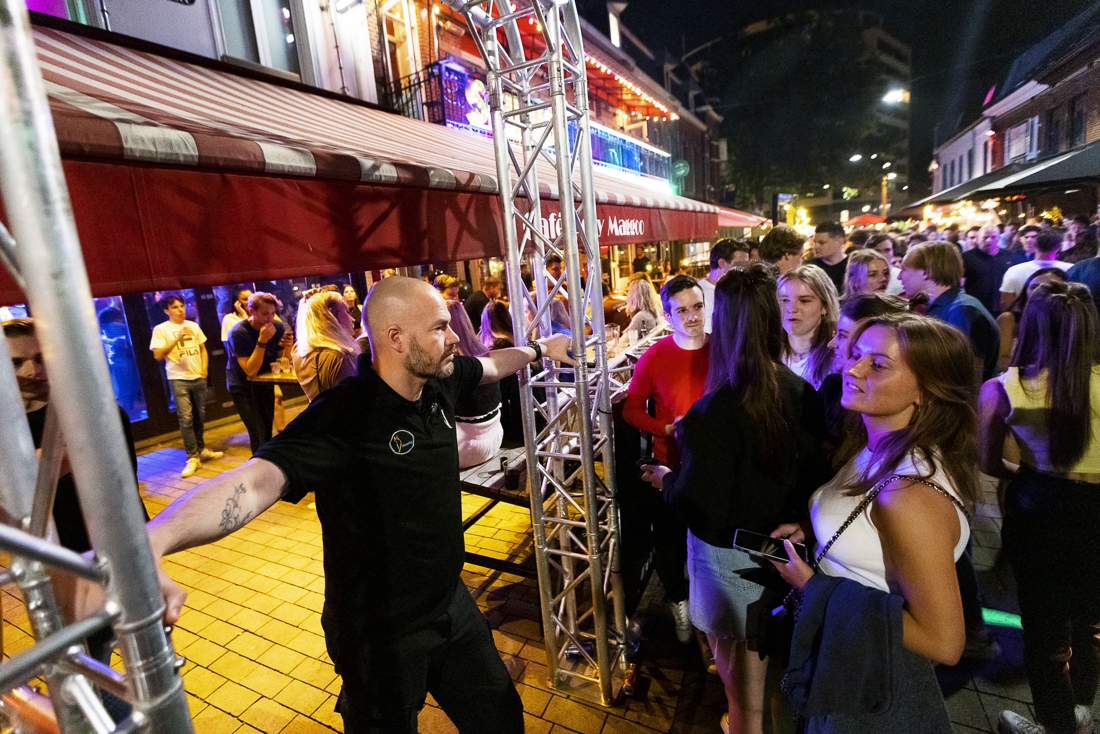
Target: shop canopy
pixel 1081 166
pixel 185 173
pixel 735 218
pixel 864 220
pixel 967 189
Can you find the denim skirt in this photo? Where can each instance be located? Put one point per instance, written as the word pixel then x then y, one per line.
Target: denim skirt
pixel 729 589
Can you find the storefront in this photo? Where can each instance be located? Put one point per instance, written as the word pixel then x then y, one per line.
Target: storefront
pixel 185 176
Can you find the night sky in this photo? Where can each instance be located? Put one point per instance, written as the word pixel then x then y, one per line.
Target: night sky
pixel 961 48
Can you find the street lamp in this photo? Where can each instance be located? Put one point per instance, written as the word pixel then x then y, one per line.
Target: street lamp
pixel 855 158
pixel 896 96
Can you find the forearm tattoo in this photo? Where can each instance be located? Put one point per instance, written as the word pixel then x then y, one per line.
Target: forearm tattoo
pixel 231 515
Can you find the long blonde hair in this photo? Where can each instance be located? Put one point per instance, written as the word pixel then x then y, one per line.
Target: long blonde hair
pixel 324 323
pixel 642 296
pixel 819 283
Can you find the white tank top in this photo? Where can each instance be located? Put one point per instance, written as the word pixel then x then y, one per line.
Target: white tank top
pixel 857 554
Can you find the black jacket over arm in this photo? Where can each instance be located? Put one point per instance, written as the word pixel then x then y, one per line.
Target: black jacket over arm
pixel 720 485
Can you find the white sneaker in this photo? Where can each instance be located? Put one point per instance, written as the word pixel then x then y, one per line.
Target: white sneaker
pixel 684 631
pixel 191 468
pixel 1083 715
pixel 208 455
pixel 1013 723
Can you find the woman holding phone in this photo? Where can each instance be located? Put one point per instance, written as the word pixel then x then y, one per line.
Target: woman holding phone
pixel 748 449
pixel 1049 402
pixel 893 518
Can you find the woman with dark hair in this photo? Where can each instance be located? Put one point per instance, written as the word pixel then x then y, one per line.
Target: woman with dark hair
pixel 808 301
pixel 892 521
pixel 748 450
pixel 496 326
pixel 1009 321
pixel 1049 402
pixel 496 333
pixel 852 309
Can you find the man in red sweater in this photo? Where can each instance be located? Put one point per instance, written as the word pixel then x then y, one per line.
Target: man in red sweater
pixel 673 372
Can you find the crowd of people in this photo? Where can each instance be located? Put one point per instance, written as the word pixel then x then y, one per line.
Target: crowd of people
pixel 842 406
pixel 851 418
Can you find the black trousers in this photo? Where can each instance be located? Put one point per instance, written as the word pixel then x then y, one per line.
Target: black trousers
pixel 256 406
pixel 669 548
pixel 453 657
pixel 1051 536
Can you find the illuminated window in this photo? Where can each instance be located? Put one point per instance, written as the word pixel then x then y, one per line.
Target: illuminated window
pixel 399 38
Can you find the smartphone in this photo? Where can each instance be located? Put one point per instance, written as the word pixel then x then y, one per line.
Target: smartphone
pixel 766 547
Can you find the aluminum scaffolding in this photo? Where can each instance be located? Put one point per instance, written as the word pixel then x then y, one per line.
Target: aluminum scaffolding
pixel 539 107
pixel 44 256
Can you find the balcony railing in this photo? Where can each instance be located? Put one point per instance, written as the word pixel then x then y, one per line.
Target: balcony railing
pixel 446 94
pixel 418 95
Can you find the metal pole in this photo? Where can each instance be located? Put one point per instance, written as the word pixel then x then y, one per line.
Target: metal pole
pixel 590 238
pixel 37 202
pixel 575 531
pixel 563 150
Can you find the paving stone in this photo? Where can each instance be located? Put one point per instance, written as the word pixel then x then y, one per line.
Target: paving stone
pixel 265 681
pixel 964 707
pixel 576 716
pixel 233 698
pixel 302 725
pixel 268 716
pixel 302 697
pixel 214 721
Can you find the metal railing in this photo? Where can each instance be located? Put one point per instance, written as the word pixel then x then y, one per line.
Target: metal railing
pixel 44 257
pixel 419 95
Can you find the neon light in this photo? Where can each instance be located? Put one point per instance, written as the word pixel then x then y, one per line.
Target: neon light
pixel 1001 619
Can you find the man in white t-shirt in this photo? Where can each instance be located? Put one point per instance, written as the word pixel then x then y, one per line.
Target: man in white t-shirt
pixel 238 313
pixel 1047 245
pixel 182 346
pixel 724 255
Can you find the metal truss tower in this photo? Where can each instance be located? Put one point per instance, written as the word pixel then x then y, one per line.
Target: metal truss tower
pixel 539 105
pixel 44 257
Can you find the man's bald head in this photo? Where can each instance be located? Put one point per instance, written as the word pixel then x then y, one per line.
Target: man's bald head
pixel 398 301
pixel 409 326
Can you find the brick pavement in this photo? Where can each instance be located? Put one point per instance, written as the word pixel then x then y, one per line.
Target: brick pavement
pixel 256 659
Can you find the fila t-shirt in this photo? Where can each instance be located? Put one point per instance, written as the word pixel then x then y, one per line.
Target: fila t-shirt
pixel 184 362
pixel 384 472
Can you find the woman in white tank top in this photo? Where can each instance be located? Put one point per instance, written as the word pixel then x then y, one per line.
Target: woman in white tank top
pixel 1049 402
pixel 910 380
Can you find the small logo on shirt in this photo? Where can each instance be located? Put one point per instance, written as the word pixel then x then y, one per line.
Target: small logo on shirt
pixel 401 442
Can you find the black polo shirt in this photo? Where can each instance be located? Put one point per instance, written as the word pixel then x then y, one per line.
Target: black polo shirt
pixel 385 474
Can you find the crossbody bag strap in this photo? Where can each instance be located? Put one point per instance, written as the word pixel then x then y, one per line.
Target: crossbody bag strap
pixel 867 500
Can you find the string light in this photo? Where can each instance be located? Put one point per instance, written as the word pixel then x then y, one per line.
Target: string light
pixel 631 86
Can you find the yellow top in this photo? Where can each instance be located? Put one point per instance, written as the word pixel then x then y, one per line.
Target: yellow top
pixel 1029 419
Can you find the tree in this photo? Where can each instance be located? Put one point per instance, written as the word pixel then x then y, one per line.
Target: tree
pixel 799 100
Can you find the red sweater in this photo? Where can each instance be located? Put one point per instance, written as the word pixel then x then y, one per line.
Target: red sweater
pixel 675 379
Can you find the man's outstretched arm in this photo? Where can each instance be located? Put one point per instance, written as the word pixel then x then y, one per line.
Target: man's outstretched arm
pixel 500 363
pixel 216 508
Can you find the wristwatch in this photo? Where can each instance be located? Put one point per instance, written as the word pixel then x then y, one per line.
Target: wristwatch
pixel 538 350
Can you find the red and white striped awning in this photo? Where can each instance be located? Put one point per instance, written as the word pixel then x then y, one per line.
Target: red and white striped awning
pixel 737 218
pixel 184 173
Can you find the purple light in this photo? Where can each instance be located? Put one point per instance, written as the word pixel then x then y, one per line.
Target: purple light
pixel 49 7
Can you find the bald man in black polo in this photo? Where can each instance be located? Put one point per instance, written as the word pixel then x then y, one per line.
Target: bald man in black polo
pixel 380 453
